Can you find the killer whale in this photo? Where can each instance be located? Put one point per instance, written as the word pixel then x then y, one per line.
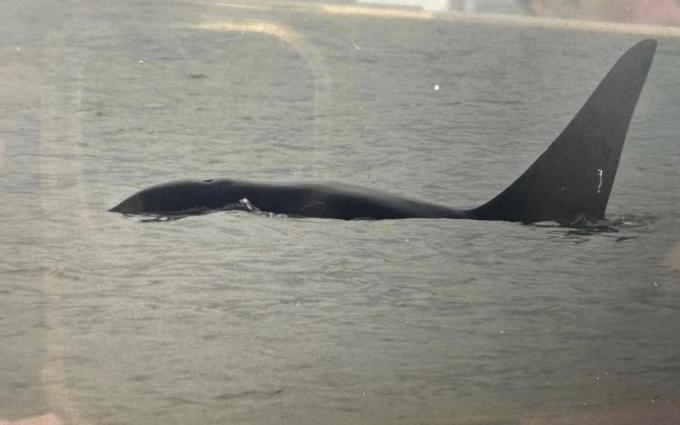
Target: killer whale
pixel 571 180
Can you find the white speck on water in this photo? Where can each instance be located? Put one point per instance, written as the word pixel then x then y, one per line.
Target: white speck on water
pixel 141 61
pixel 435 87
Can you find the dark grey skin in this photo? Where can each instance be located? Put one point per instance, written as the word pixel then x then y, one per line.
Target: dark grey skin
pixel 298 200
pixel 571 180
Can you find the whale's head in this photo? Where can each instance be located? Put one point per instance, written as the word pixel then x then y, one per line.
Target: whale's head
pixel 176 198
pixel 131 205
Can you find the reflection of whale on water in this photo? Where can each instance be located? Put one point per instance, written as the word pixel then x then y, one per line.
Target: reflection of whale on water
pixel 571 180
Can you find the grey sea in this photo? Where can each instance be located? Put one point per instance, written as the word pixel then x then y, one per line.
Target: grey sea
pixel 240 318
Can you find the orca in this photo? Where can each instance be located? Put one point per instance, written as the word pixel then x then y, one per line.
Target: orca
pixel 571 180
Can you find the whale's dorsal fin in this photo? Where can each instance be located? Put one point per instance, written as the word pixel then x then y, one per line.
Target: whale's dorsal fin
pixel 574 176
